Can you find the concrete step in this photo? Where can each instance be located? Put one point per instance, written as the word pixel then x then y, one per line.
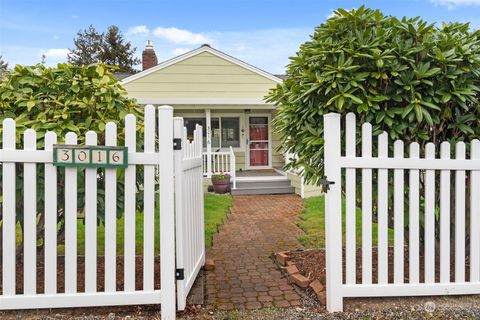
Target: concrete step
pixel 263 184
pixel 263 190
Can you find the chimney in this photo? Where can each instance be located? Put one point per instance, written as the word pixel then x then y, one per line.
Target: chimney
pixel 149 58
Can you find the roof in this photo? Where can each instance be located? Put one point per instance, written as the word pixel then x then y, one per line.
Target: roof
pixel 123 75
pixel 203 48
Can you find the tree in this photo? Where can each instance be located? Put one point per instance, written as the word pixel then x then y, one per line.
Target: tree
pixel 62 99
pixel 110 48
pixel 3 66
pixel 88 47
pixel 117 51
pixel 417 81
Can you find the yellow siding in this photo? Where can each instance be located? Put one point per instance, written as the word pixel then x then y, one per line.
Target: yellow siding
pixel 240 160
pixel 201 76
pixel 308 189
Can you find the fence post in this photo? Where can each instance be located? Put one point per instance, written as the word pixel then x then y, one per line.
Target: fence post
pixel 167 215
pixel 179 236
pixel 209 142
pixel 333 212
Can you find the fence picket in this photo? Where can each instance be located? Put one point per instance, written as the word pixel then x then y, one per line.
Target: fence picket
pixel 414 218
pixel 50 193
pixel 149 202
pixel 129 206
pixel 429 238
pixel 179 206
pixel 474 215
pixel 351 206
pixel 382 211
pixel 445 216
pixel 398 211
pixel 30 217
pixel 110 215
pixel 167 217
pixel 366 206
pixel 91 221
pixel 460 216
pixel 333 213
pixel 8 212
pixel 71 222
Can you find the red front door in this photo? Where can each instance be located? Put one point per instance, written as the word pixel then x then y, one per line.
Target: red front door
pixel 259 149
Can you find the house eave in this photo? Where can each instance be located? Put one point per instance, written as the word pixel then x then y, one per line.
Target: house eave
pixel 240 103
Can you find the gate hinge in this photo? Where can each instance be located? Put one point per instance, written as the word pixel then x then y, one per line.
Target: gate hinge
pixel 177 144
pixel 179 274
pixel 325 183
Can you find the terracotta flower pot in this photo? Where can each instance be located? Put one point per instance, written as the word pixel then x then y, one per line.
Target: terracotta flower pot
pixel 221 185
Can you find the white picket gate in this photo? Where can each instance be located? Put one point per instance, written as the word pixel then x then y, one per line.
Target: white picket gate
pixel 159 165
pixel 421 273
pixel 189 219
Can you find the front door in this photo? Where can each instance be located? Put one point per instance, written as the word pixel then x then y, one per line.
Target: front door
pixel 258 142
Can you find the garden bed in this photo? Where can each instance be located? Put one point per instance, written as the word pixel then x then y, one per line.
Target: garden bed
pixel 81 275
pixel 311 264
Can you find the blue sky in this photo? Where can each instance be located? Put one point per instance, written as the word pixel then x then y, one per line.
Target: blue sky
pixel 262 32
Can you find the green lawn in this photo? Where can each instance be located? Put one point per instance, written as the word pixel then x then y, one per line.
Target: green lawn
pixel 313 223
pixel 216 209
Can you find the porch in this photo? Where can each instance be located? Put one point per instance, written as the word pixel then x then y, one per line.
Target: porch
pixel 253 181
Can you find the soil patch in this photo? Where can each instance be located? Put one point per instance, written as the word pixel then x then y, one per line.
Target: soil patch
pixel 81 274
pixel 311 263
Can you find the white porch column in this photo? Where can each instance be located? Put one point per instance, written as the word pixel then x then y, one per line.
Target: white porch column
pixel 209 142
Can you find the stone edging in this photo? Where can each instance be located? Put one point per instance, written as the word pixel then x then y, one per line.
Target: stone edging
pixel 294 276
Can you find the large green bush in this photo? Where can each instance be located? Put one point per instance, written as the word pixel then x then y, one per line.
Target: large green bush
pixel 63 99
pixel 417 81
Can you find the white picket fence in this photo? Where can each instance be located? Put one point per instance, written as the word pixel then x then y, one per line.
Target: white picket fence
pixel 159 167
pixel 421 273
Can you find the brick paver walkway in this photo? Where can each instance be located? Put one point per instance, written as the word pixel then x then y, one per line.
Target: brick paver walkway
pixel 245 275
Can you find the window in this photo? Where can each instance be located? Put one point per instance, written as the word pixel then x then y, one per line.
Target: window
pixel 225 131
pixel 230 132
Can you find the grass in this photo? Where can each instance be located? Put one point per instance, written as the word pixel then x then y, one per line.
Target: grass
pixel 216 209
pixel 313 223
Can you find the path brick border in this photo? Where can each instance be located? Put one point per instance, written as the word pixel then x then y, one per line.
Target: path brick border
pixel 294 276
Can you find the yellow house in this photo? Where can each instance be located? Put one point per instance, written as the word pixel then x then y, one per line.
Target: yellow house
pixel 226 97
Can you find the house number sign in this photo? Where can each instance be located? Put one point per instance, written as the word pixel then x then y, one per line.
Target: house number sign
pixel 90 156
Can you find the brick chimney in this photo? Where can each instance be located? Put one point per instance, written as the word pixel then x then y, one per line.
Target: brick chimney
pixel 149 58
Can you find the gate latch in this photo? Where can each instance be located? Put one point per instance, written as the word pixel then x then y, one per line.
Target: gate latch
pixel 177 144
pixel 179 274
pixel 325 183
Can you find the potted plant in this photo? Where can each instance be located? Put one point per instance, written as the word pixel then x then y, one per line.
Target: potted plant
pixel 221 183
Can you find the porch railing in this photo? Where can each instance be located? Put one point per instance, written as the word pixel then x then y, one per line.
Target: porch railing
pixel 220 162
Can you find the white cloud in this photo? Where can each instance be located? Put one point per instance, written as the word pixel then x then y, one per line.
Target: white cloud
pixel 56 53
pixel 456 3
pixel 180 36
pixel 138 30
pixel 267 49
pixel 55 37
pixel 29 55
pixel 179 51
